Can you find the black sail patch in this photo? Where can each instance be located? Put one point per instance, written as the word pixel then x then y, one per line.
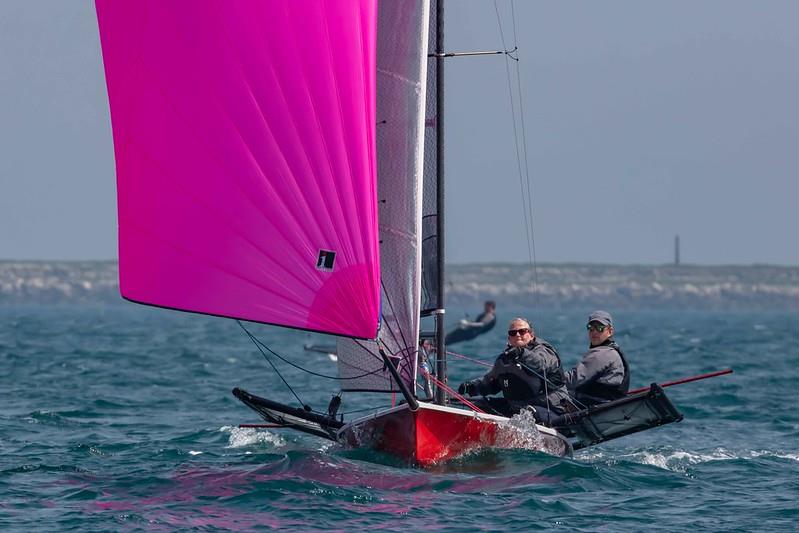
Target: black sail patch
pixel 326 260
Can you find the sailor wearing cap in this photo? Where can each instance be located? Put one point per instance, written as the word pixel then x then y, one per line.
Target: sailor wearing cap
pixel 603 374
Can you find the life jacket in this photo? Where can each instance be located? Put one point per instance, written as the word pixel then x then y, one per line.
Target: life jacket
pixel 597 392
pixel 485 326
pixel 558 379
pixel 519 383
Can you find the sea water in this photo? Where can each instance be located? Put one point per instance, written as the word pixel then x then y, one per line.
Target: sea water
pixel 120 417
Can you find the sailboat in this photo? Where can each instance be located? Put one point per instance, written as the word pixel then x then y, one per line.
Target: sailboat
pixel 281 162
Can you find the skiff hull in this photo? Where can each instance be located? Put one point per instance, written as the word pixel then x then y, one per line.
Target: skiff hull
pixel 428 435
pixel 434 433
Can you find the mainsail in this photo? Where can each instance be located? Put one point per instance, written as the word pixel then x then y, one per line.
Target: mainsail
pixel 401 70
pixel 244 135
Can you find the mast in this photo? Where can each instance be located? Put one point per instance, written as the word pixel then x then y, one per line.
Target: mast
pixel 441 349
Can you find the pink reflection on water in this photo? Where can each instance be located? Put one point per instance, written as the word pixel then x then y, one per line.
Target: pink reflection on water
pixel 358 492
pixel 197 484
pixel 498 484
pixel 229 519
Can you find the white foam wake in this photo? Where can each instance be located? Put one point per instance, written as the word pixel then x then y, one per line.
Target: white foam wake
pixel 521 432
pixel 680 461
pixel 242 437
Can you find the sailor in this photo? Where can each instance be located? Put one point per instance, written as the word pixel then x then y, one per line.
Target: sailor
pixel 603 374
pixel 488 316
pixel 468 329
pixel 528 372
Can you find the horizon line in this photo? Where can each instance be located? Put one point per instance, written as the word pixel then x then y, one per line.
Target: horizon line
pixel 484 263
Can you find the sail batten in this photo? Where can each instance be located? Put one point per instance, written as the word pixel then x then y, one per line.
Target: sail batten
pixel 245 150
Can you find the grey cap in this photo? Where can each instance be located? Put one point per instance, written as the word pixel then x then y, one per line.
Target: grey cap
pixel 603 317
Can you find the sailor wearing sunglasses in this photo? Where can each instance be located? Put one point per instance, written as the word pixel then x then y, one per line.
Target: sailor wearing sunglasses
pixel 603 374
pixel 528 372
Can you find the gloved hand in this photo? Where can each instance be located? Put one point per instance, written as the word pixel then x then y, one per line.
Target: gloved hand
pixel 513 351
pixel 468 388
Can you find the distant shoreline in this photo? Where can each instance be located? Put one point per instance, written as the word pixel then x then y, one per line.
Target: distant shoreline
pixel 485 264
pixel 550 285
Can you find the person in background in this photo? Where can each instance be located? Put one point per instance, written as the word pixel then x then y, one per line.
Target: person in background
pixel 488 316
pixel 528 373
pixel 603 373
pixel 468 329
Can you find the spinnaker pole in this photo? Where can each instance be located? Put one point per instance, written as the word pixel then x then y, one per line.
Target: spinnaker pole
pixel 441 349
pixel 686 380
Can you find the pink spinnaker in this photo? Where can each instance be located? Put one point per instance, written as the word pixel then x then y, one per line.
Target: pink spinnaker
pixel 244 135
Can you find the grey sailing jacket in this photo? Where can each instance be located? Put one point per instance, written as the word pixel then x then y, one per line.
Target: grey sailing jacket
pixel 601 375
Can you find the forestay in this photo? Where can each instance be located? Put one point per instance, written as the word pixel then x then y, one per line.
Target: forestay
pixel 244 135
pixel 401 70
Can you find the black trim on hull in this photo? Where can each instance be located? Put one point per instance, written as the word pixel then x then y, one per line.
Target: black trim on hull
pixel 290 417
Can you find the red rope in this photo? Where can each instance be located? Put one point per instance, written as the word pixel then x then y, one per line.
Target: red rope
pixel 427 375
pixel 686 380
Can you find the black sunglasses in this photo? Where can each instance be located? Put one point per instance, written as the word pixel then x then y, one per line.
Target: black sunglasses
pixel 520 331
pixel 596 327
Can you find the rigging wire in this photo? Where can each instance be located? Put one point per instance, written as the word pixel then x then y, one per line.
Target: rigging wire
pixel 260 344
pixel 520 138
pixel 452 392
pixel 303 404
pixel 460 355
pixel 524 151
pixel 400 368
pixel 393 314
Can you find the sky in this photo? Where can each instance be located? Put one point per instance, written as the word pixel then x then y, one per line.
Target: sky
pixel 642 120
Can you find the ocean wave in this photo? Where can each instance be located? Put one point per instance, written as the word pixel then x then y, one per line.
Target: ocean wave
pixel 681 460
